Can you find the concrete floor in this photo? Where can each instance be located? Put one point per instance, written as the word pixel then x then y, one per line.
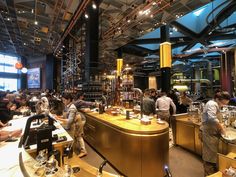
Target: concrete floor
pixel 182 163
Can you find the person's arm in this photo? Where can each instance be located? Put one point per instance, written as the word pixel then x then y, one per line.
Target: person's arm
pixel 4 135
pixel 2 124
pixel 173 106
pixel 71 117
pixel 84 104
pixel 157 104
pixel 212 113
pixel 153 107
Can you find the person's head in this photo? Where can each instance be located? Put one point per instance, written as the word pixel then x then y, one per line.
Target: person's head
pixel 222 98
pixel 147 93
pixel 184 93
pixel 217 93
pixel 163 93
pixel 80 95
pixel 67 98
pixel 153 92
pixel 12 106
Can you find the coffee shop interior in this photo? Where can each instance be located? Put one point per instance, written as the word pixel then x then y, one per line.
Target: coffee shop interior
pixel 136 88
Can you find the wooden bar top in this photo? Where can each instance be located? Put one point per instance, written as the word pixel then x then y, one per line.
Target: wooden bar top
pixel 130 126
pixel 186 119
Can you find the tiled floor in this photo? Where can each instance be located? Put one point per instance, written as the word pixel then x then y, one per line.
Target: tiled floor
pixel 182 162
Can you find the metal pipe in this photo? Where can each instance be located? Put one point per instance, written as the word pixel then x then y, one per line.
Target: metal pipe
pixel 180 81
pixel 79 12
pixel 141 100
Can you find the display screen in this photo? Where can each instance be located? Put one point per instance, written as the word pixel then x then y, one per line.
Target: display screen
pixel 33 78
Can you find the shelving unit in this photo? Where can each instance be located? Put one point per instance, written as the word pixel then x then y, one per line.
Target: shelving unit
pixel 72 62
pixel 92 91
pixel 127 85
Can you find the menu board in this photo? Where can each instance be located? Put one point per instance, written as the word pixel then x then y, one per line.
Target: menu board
pixel 33 78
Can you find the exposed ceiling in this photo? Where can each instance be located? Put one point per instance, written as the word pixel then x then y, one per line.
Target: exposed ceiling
pixel 32 27
pixel 128 25
pixel 126 20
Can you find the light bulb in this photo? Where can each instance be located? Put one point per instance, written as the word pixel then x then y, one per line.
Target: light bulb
pixel 24 70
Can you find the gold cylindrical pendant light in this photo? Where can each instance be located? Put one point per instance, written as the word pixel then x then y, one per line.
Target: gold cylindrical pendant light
pixel 165 55
pixel 119 66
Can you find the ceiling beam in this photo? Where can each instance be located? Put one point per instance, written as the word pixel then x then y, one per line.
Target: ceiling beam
pixel 220 17
pixel 184 30
pixel 158 40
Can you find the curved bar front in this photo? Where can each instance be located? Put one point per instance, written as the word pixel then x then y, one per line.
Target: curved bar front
pixel 134 149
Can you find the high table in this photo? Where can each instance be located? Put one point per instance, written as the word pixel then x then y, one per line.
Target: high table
pixel 134 149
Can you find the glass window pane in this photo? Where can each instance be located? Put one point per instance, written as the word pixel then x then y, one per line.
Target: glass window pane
pixel 7 64
pixel 8 84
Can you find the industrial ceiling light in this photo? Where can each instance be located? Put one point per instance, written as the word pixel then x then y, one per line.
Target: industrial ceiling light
pixel 94 5
pixel 86 15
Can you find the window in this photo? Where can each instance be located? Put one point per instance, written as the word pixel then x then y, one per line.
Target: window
pixel 8 84
pixel 7 64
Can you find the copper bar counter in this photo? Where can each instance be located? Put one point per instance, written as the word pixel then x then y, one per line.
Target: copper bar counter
pixel 134 149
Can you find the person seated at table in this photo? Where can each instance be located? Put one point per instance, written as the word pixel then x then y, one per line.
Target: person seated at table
pixel 5 135
pixel 7 111
pixel 42 105
pixel 2 124
pixel 74 123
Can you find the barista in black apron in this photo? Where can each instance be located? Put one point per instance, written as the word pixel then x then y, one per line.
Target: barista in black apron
pixel 211 131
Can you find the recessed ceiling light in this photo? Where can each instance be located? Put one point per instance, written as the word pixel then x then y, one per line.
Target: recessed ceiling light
pixel 35 22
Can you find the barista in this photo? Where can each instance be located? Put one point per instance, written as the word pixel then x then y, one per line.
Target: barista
pixel 74 124
pixel 211 131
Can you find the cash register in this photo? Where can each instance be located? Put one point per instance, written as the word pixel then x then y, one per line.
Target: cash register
pixel 38 132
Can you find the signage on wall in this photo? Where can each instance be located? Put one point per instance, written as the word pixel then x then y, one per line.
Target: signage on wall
pixel 33 78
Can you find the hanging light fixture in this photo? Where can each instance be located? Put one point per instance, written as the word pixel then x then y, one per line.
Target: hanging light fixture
pixel 18 65
pixel 24 70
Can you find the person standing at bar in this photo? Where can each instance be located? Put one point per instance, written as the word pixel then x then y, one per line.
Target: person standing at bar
pixel 211 131
pixel 148 104
pixel 163 104
pixel 74 123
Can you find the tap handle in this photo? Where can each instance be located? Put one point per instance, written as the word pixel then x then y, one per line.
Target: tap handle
pixel 102 165
pixel 167 170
